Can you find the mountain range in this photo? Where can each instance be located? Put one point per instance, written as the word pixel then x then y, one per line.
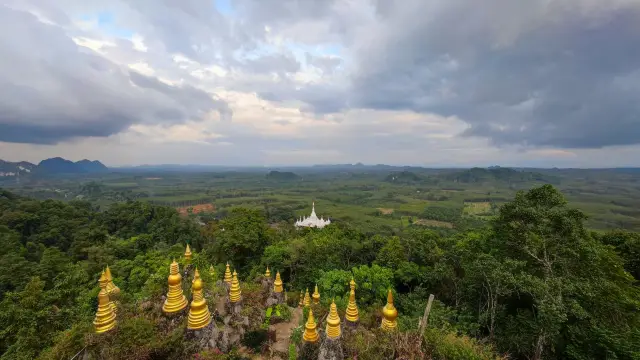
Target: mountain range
pixel 50 166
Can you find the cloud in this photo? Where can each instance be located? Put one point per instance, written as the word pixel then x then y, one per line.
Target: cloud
pixel 53 90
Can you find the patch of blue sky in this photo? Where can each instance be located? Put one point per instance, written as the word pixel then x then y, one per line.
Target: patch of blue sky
pixel 224 7
pixel 106 22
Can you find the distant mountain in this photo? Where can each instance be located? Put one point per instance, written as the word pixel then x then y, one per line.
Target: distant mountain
pixel 11 169
pixel 51 166
pixel 282 175
pixel 478 175
pixel 59 165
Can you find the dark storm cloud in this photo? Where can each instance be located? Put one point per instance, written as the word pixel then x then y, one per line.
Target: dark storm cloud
pixel 534 74
pixel 52 90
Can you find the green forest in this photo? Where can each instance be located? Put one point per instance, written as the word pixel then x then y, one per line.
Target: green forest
pixel 533 281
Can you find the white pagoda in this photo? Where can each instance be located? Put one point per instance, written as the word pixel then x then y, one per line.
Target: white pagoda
pixel 312 220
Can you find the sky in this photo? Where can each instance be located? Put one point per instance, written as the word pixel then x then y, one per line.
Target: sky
pixel 537 83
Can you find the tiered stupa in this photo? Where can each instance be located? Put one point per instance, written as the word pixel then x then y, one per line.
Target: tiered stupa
pixel 112 289
pixel 187 255
pixel 307 299
pixel 312 220
pixel 267 273
pixel 227 275
pixel 176 301
pixel 199 316
pixel 277 284
pixel 351 314
pixel 316 295
pixel 235 292
pixel 310 329
pixel 333 322
pixel 389 314
pixel 105 319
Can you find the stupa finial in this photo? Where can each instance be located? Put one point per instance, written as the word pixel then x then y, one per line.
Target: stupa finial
pixel 199 316
pixel 227 275
pixel 310 329
pixel 112 289
pixel 316 295
pixel 187 255
pixel 389 314
pixel 176 301
pixel 235 292
pixel 307 299
pixel 277 284
pixel 105 319
pixel 333 322
pixel 351 314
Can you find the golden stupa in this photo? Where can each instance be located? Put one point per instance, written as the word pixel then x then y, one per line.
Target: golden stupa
pixel 199 315
pixel 227 275
pixel 310 331
pixel 175 298
pixel 235 292
pixel 307 298
pixel 333 322
pixel 316 295
pixel 267 273
pixel 105 319
pixel 277 284
pixel 187 255
pixel 301 302
pixel 389 314
pixel 351 314
pixel 112 289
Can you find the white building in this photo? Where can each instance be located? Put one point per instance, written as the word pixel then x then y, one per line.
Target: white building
pixel 312 220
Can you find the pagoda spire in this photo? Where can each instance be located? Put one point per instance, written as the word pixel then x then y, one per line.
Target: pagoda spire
pixel 389 314
pixel 105 319
pixel 333 322
pixel 316 295
pixel 199 315
pixel 175 298
pixel 277 284
pixel 227 275
pixel 235 292
pixel 187 255
pixel 301 302
pixel 267 273
pixel 307 298
pixel 112 289
pixel 310 329
pixel 351 315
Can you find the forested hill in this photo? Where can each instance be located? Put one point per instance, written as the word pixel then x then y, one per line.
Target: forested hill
pixel 533 284
pixel 500 174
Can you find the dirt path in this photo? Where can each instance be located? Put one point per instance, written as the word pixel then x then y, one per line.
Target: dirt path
pixel 283 331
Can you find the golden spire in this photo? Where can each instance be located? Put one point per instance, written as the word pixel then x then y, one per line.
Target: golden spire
pixel 277 284
pixel 235 292
pixel 351 314
pixel 333 322
pixel 175 298
pixel 212 272
pixel 267 273
pixel 307 298
pixel 389 314
pixel 316 295
pixel 112 289
pixel 105 319
pixel 227 275
pixel 301 302
pixel 199 315
pixel 187 255
pixel 310 331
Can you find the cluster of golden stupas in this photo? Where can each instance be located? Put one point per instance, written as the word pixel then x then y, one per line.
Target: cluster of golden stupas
pixel 200 317
pixel 333 331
